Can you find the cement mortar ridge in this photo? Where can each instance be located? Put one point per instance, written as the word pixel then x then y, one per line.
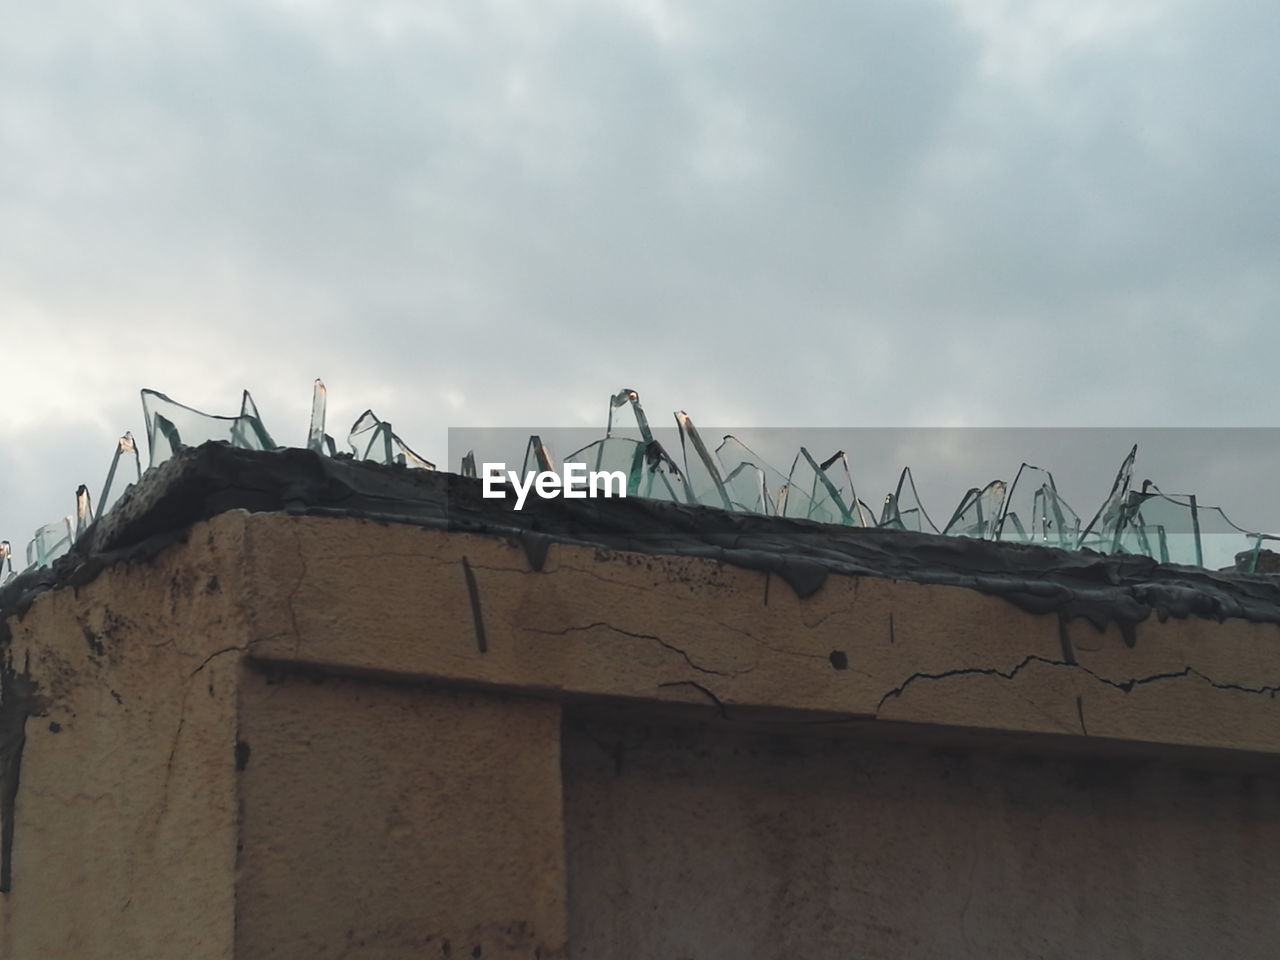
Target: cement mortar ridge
pixel 199 483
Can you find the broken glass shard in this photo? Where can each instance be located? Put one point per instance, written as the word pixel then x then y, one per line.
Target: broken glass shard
pixel 903 509
pixel 171 425
pixel 1103 532
pixel 704 482
pixel 746 469
pixel 978 513
pixel 1173 528
pixel 50 542
pixel 1035 513
pixel 317 440
pixel 822 500
pixel 1176 528
pixel 84 510
pixel 373 439
pixel 840 479
pixel 119 479
pixel 537 458
pixel 649 470
pixel 622 398
pixel 746 478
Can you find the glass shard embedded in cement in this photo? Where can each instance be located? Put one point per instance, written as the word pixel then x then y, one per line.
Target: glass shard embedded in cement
pixel 748 479
pixel 628 397
pixel 50 542
pixel 84 510
pixel 813 492
pixel 537 458
pixel 1104 530
pixel 373 439
pixel 903 510
pixel 978 513
pixel 734 456
pixel 125 470
pixel 317 440
pixel 649 470
pixel 1171 528
pixel 1035 513
pixel 171 425
pixel 703 481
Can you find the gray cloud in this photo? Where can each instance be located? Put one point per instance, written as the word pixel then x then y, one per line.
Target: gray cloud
pixel 825 214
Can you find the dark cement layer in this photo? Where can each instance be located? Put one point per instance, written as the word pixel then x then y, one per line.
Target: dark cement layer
pixel 200 483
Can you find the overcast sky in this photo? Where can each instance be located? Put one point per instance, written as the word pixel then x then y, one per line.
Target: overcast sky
pixel 773 214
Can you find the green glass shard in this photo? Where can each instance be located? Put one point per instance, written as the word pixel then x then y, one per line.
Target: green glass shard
pixel 624 397
pixel 751 473
pixel 1221 540
pixel 118 480
pixel 359 437
pixel 1035 513
pixel 649 471
pixel 704 482
pixel 746 478
pixel 171 425
pixel 903 509
pixel 374 439
pixel 1104 530
pixel 537 458
pixel 316 436
pixel 822 500
pixel 839 479
pixel 50 542
pixel 978 513
pixel 1177 528
pixel 1172 528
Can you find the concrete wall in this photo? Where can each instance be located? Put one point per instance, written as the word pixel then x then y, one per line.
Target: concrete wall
pixel 388 821
pixel 124 833
pixel 285 736
pixel 688 842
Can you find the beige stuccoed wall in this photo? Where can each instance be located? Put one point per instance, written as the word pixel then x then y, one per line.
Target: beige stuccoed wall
pixel 691 842
pixel 601 623
pixel 391 821
pixel 320 737
pixel 124 835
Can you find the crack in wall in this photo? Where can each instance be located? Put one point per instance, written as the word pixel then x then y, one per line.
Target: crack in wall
pixel 719 705
pixel 163 803
pixel 638 636
pixel 1125 686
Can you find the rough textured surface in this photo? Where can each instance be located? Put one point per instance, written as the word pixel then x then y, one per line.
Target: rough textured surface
pixel 199 483
pixel 718 845
pixel 596 622
pixel 386 822
pixel 123 829
pixel 395 788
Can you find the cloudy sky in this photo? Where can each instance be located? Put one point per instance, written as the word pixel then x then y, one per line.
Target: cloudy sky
pixel 497 213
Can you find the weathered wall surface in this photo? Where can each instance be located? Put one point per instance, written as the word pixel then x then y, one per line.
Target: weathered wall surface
pixel 718 845
pixel 293 736
pixel 386 822
pixel 123 832
pixel 462 607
